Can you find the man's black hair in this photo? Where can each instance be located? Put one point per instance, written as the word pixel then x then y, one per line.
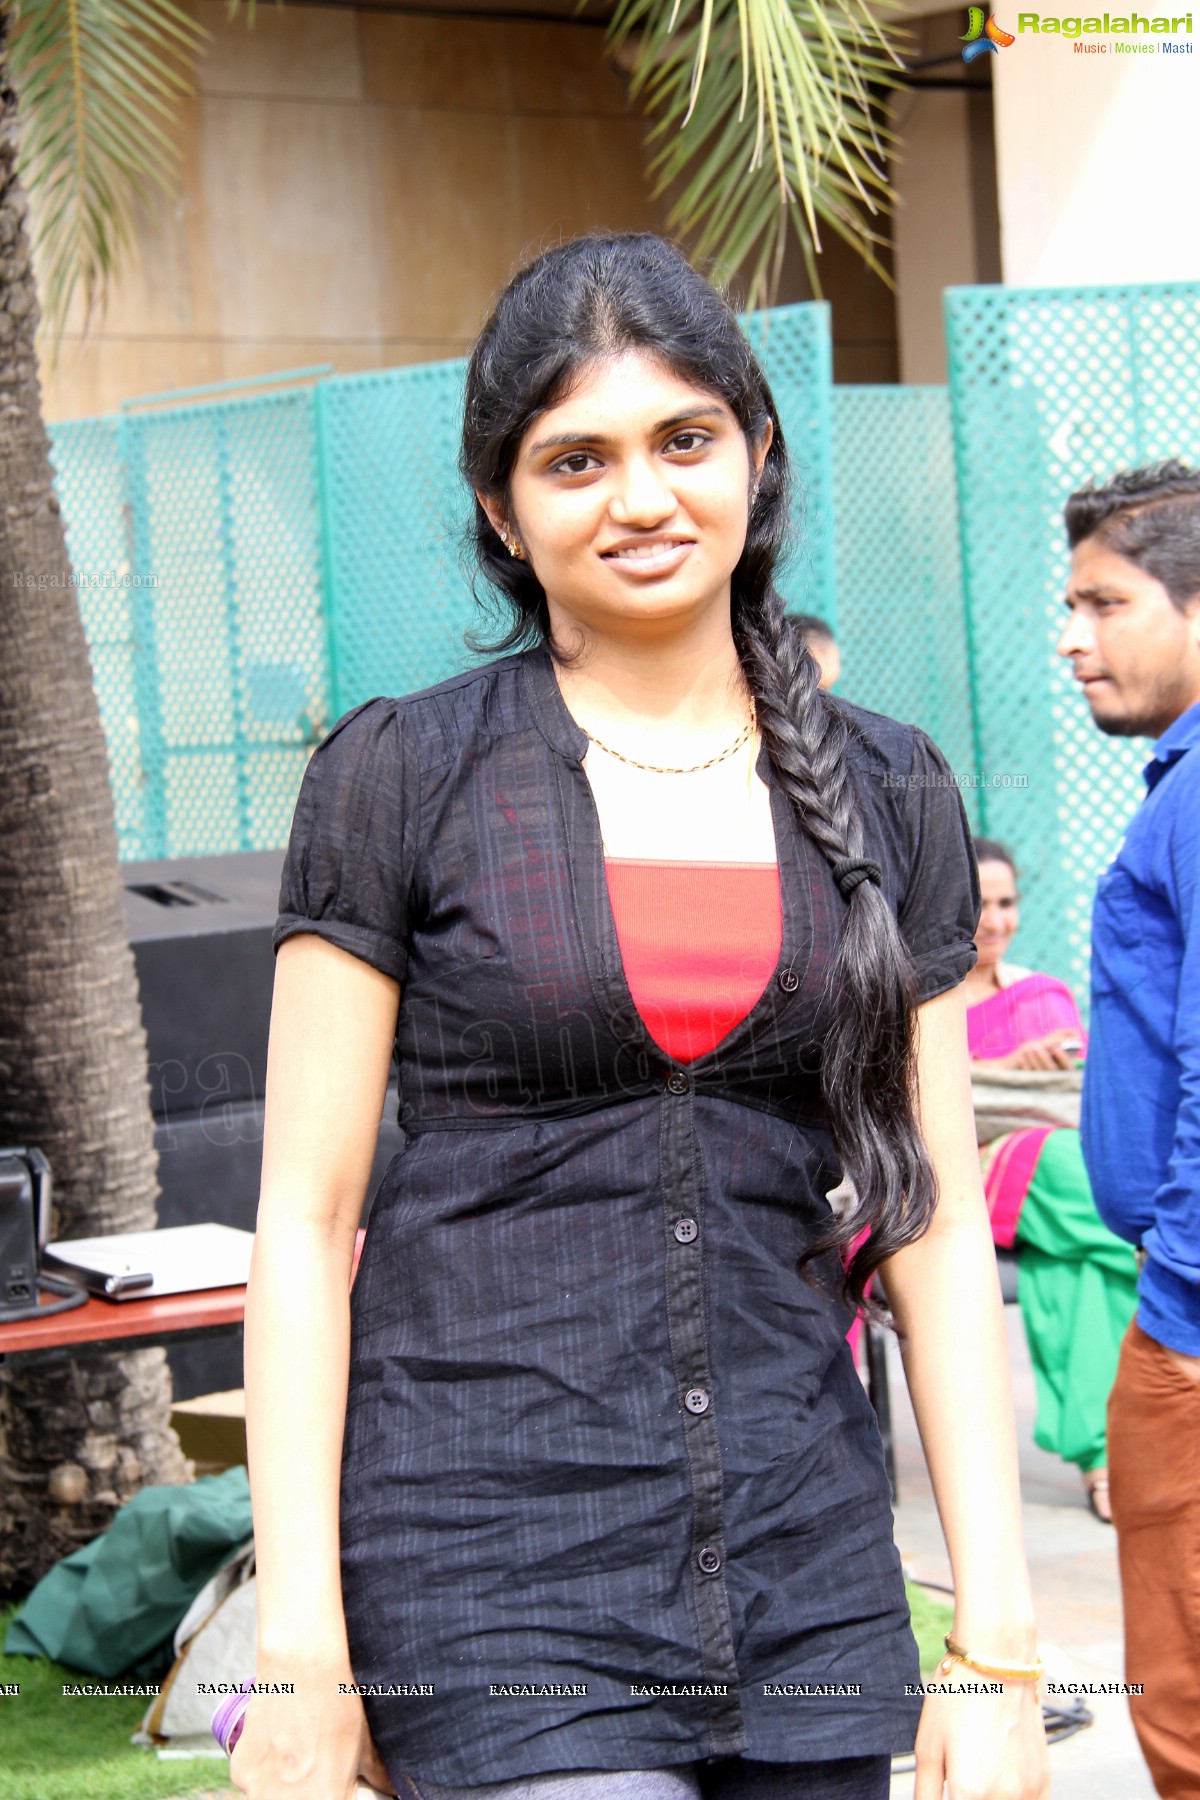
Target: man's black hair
pixel 808 625
pixel 1150 516
pixel 992 850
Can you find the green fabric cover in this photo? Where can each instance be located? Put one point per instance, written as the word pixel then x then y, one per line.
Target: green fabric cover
pixel 111 1608
pixel 1077 1290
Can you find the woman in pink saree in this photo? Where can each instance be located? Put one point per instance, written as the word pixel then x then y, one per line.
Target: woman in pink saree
pixel 1076 1281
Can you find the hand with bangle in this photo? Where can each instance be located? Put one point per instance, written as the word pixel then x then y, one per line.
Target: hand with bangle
pixel 987 1719
pixel 996 1671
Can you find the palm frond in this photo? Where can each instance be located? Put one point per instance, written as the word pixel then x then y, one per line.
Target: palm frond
pixel 98 85
pixel 765 121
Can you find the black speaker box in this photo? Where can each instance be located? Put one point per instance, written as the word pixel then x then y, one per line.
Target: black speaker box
pixel 200 929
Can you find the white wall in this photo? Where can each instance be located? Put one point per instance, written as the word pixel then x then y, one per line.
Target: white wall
pixel 1097 159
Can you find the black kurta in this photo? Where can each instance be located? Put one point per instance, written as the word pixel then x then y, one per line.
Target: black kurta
pixel 612 1492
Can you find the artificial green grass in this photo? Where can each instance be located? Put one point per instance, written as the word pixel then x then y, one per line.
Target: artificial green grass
pixel 932 1618
pixel 56 1748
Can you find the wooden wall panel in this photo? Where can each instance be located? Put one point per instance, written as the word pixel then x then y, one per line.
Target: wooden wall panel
pixel 354 189
pixel 579 174
pixel 95 374
pixel 445 231
pixel 454 65
pixel 559 69
pixel 284 225
pixel 289 53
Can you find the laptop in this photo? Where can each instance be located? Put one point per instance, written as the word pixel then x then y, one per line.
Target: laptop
pixel 142 1265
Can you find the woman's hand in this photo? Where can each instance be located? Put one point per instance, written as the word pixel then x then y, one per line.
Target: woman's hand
pixel 1188 1366
pixel 1057 1050
pixel 982 1746
pixel 313 1744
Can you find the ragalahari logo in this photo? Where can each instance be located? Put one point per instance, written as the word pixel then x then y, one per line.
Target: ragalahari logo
pixel 983 34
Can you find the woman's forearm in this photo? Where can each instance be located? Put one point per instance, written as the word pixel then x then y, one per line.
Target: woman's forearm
pixel 944 1292
pixel 945 1296
pixel 297 1346
pixel 333 1021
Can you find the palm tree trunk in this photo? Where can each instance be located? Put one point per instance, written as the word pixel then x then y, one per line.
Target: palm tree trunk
pixel 76 1438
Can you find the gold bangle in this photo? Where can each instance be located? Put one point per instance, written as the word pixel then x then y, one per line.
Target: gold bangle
pixel 999 1671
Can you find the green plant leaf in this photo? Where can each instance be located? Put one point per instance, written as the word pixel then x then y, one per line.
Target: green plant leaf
pixel 765 120
pixel 99 84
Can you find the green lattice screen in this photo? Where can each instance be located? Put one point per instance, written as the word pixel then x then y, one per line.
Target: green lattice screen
pixel 899 582
pixel 89 476
pixel 207 626
pixel 395 508
pixel 1051 387
pixel 264 562
pixel 794 346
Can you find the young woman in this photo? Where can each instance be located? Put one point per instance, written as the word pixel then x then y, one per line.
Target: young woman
pixel 579 1497
pixel 1077 1283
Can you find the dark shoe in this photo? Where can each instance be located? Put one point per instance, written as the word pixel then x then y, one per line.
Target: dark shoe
pixel 1095 1483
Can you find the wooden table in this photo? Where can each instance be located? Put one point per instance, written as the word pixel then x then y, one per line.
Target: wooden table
pixel 131 1324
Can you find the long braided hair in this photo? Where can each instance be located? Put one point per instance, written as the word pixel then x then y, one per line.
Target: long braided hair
pixel 598 296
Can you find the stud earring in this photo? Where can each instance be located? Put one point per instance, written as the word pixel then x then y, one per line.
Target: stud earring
pixel 512 546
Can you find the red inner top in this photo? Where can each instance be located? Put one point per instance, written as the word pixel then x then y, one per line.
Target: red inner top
pixel 699 941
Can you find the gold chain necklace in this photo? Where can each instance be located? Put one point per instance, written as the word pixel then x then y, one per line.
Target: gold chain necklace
pixel 695 769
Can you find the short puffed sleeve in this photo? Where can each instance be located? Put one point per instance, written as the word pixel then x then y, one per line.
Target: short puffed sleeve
pixel 939 914
pixel 348 871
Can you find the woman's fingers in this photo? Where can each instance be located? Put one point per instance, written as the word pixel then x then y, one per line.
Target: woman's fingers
pixel 371 1766
pixel 982 1747
pixel 930 1752
pixel 931 1776
pixel 1044 1053
pixel 316 1750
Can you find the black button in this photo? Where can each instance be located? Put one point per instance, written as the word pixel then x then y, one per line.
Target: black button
pixel 696 1400
pixel 709 1560
pixel 686 1231
pixel 677 1082
pixel 789 981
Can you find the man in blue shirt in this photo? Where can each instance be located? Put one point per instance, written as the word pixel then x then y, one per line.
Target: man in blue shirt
pixel 1133 637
